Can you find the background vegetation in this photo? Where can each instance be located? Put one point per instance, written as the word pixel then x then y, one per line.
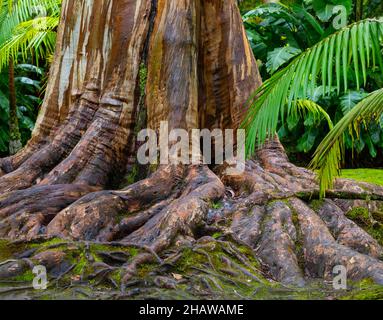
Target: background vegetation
pixel 27 42
pixel 278 33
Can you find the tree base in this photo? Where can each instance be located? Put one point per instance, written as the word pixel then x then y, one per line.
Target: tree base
pixel 270 212
pixel 210 268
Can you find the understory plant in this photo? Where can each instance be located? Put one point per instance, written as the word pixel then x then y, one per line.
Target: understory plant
pixel 278 33
pixel 346 58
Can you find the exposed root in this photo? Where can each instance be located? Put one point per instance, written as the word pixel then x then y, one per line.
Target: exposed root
pixel 322 252
pixel 277 248
pixel 96 215
pixel 185 213
pixel 347 232
pixel 24 214
pixel 45 159
pixel 292 240
pixel 269 210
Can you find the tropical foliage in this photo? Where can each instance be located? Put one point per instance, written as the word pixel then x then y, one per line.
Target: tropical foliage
pixel 28 27
pixel 328 156
pixel 28 88
pixel 27 37
pixel 338 70
pixel 356 47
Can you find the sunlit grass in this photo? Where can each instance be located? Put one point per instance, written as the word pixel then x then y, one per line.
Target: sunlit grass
pixel 366 175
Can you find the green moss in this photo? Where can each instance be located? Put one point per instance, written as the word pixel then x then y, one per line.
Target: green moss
pixel 117 276
pixel 378 216
pixel 377 233
pixel 200 272
pixel 81 264
pixel 144 269
pixel 131 177
pixel 153 168
pixel 374 176
pixel 248 252
pixel 217 205
pixel 217 235
pixel 49 243
pixel 27 276
pixel 226 281
pixel 276 201
pixel 133 251
pixel 364 290
pixel 212 257
pixel 143 78
pixel 316 205
pixel 361 216
pixel 101 247
pixel 7 250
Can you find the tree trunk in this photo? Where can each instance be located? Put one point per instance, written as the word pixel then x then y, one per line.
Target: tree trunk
pixel 14 132
pixel 124 65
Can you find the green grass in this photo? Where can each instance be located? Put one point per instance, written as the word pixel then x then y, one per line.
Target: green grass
pixel 366 175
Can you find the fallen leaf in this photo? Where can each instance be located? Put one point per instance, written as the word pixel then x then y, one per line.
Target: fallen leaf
pixel 177 276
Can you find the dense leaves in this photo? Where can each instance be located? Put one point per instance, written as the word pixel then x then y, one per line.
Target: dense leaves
pixel 27 27
pixel 27 36
pixel 279 56
pixel 28 85
pixel 328 157
pixel 336 73
pixel 277 31
pixel 328 63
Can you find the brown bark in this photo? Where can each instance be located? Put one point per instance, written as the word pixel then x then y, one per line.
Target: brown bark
pixel 200 71
pixel 14 132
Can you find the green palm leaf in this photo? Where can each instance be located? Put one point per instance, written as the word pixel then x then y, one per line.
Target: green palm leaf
pixel 329 59
pixel 23 30
pixel 305 107
pixel 330 153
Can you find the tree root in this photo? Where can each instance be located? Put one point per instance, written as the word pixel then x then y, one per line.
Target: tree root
pixel 323 252
pixel 295 237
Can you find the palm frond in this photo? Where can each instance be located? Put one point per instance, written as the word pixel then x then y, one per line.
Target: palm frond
pixel 23 29
pixel 37 36
pixel 302 108
pixel 327 63
pixel 330 153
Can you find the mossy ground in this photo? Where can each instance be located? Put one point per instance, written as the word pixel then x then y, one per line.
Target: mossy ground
pixel 210 269
pixel 374 176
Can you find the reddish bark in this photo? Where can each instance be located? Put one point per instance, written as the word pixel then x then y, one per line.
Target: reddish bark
pixel 200 72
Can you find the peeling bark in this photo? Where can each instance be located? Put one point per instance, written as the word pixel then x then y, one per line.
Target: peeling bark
pixel 200 71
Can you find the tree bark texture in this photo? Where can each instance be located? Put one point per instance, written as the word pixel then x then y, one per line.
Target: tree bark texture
pixel 187 62
pixel 14 131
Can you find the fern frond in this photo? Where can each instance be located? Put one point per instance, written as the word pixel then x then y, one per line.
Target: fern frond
pixel 330 153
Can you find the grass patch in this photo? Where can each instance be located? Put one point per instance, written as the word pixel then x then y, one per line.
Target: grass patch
pixel 374 176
